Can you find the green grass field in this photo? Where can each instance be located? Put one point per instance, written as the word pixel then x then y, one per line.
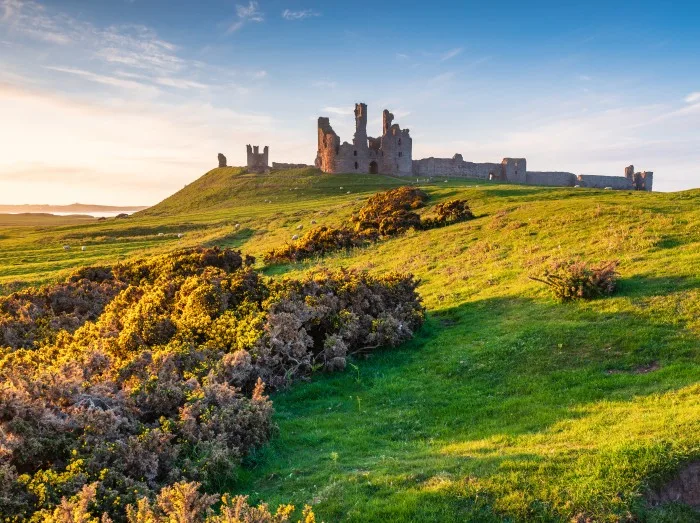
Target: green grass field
pixel 508 405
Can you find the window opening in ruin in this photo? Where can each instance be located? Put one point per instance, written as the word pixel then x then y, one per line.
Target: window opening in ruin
pixel 356 166
pixel 399 141
pixel 373 168
pixel 355 153
pixel 400 154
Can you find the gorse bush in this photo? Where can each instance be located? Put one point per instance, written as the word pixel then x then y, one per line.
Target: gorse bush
pixel 36 315
pixel 574 280
pixel 389 213
pixel 160 379
pixel 30 316
pixel 316 242
pixel 384 215
pixel 179 503
pixel 451 211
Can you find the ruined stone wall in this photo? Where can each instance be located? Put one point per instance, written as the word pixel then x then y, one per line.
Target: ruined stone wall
pixel 257 161
pixel 511 169
pixel 286 166
pixel 555 178
pixel 515 170
pixel 455 167
pixel 601 182
pixel 222 160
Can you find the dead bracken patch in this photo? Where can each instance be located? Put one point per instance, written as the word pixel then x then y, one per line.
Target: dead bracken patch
pixel 684 487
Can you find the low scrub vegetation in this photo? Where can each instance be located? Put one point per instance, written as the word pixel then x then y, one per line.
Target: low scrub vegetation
pixel 179 503
pixel 577 280
pixel 316 242
pixel 384 215
pixel 449 212
pixel 125 380
pixel 390 213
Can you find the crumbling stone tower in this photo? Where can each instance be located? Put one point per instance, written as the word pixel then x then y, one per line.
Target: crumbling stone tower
pixel 514 170
pixel 389 154
pixel 642 181
pixel 258 162
pixel 396 149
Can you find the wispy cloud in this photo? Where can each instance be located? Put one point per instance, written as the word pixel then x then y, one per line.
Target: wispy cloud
pixel 31 19
pixel 131 45
pixel 442 78
pixel 139 47
pixel 344 111
pixel 325 84
pixel 129 57
pixel 693 98
pixel 245 14
pixel 401 56
pixel 98 78
pixel 302 14
pixel 451 54
pixel 180 83
pixel 8 8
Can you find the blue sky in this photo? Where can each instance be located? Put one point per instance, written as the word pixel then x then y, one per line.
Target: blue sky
pixel 125 101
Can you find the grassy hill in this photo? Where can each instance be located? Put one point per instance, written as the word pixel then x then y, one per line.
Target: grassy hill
pixel 508 405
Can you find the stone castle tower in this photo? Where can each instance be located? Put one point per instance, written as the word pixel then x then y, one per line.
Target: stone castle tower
pixel 642 181
pixel 257 161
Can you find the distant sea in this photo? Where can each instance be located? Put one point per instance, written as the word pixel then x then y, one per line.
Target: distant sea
pixel 95 214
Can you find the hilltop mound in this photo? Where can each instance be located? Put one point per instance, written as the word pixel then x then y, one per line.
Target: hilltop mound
pixel 228 187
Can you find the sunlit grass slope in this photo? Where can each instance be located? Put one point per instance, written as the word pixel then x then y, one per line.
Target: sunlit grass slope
pixel 508 405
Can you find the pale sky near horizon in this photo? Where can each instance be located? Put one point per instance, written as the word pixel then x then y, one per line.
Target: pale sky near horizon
pixel 124 102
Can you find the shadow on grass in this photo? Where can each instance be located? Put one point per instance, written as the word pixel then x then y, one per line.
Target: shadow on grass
pixel 496 368
pixel 234 240
pixel 646 286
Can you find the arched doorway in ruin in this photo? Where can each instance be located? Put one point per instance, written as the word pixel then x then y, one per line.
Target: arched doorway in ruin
pixel 373 167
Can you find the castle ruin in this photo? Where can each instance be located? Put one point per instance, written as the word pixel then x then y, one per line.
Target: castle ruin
pixel 391 153
pixel 257 161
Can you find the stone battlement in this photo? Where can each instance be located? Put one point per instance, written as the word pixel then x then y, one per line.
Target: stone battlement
pixel 257 161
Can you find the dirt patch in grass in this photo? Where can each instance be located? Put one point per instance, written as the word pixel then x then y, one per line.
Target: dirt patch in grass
pixel 684 487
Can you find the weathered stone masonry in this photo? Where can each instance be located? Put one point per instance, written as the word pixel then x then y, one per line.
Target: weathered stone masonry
pixel 515 170
pixel 389 154
pixel 257 161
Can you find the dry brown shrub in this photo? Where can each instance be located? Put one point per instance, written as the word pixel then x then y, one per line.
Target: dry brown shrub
pixel 577 280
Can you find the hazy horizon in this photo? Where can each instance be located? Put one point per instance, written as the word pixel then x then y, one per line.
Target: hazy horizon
pixel 125 102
